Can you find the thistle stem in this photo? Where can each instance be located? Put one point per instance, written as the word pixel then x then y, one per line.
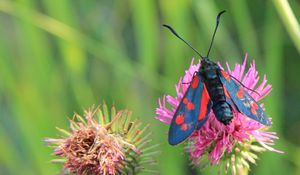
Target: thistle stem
pixel 289 20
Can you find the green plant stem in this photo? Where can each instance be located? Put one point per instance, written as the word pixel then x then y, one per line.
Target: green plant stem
pixel 289 20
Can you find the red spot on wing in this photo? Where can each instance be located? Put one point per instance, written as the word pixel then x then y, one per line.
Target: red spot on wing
pixel 179 119
pixel 190 106
pixel 204 102
pixel 226 92
pixel 185 100
pixel 240 93
pixel 226 76
pixel 253 111
pixel 184 127
pixel 254 107
pixel 195 82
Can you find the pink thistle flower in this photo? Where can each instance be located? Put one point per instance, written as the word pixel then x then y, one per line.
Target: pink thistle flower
pixel 233 143
pixel 103 143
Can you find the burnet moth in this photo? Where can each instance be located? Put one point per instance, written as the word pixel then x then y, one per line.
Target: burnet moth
pixel 213 89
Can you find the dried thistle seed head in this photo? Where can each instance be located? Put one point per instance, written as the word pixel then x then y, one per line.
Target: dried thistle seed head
pixel 103 142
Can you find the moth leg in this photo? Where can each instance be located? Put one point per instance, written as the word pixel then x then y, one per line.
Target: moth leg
pixel 244 85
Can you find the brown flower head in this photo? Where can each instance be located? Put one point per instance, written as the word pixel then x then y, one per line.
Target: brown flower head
pixel 99 143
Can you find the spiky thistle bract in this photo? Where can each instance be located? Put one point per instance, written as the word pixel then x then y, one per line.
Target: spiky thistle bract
pixel 104 141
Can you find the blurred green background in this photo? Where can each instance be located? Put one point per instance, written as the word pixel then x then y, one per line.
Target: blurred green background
pixel 58 57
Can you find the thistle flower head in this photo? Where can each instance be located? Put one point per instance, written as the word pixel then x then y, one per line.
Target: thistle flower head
pixel 103 143
pixel 232 145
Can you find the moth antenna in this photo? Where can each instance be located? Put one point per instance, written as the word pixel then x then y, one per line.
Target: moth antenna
pixel 213 37
pixel 175 33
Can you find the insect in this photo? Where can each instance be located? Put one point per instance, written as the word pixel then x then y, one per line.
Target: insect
pixel 211 88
